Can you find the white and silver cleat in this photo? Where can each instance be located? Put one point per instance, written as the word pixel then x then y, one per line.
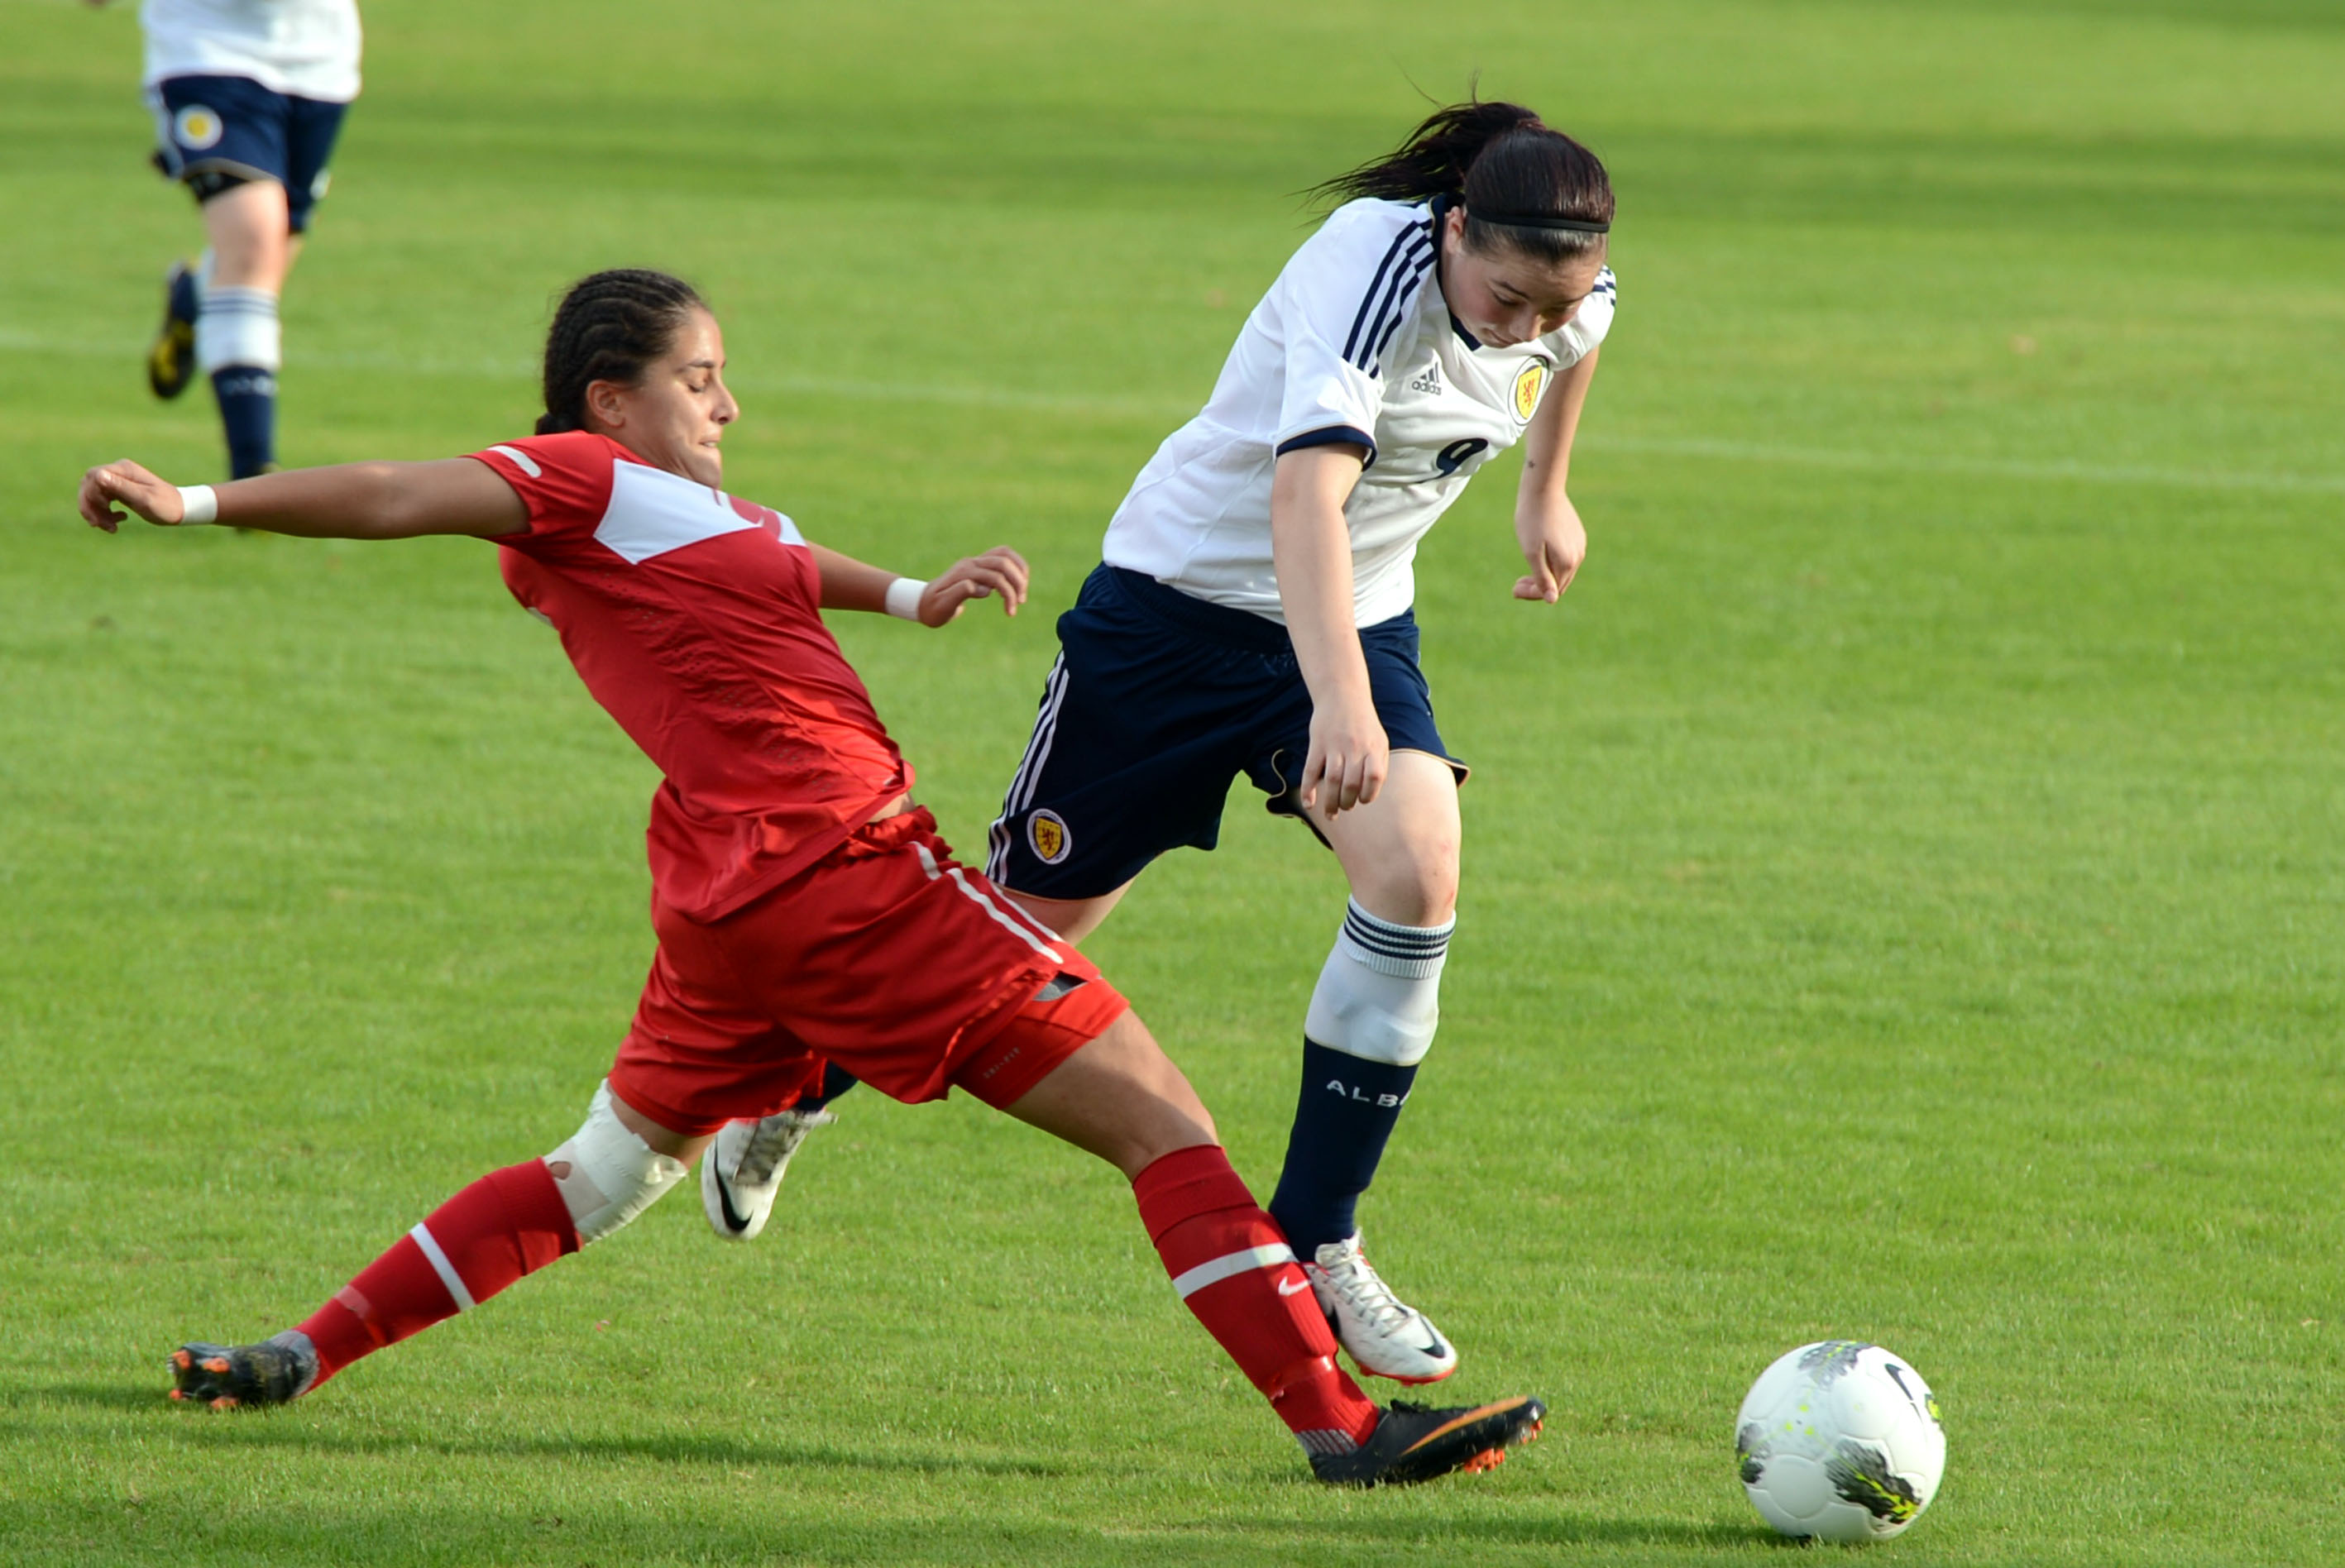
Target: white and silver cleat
pixel 743 1170
pixel 1385 1336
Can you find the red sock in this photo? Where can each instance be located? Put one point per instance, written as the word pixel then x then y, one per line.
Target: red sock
pixel 509 1223
pixel 1236 1272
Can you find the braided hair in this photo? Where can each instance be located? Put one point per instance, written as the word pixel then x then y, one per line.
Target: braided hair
pixel 1505 162
pixel 609 326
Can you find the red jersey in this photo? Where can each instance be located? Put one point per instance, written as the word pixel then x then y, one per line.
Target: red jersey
pixel 694 618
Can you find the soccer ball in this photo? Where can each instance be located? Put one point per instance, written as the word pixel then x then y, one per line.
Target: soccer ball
pixel 1840 1440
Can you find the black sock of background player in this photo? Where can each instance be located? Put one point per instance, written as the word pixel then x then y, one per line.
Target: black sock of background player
pixel 836 1081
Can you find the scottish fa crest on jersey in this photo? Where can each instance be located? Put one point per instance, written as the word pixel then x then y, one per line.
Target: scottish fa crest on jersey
pixel 196 128
pixel 1045 834
pixel 1529 382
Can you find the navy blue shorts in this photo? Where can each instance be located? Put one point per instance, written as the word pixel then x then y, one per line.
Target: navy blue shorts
pixel 1158 700
pixel 213 132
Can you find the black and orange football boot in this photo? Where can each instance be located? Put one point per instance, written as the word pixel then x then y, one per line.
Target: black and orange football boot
pixel 1413 1444
pixel 233 1377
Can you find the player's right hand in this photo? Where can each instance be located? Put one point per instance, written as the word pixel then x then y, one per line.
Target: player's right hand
pixel 999 572
pixel 1349 757
pixel 124 484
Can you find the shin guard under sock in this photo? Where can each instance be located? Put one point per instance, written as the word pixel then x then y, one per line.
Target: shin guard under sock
pixel 1236 1273
pixel 509 1223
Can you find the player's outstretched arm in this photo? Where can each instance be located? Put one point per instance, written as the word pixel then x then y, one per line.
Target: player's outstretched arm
pixel 350 501
pixel 1547 525
pixel 851 584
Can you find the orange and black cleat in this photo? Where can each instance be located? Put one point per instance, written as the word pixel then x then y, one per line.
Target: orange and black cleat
pixel 1413 1444
pixel 230 1376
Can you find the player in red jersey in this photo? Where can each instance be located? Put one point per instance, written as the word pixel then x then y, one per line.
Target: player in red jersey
pixel 808 912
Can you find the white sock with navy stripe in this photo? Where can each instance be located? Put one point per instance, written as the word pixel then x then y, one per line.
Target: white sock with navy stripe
pixel 1379 993
pixel 237 344
pixel 238 325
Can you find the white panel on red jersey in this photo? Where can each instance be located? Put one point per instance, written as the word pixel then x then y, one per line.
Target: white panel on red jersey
pixel 653 511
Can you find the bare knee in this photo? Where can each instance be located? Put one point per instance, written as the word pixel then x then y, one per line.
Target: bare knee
pixel 1417 887
pixel 1400 854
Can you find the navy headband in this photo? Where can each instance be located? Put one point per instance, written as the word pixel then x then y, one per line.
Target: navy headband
pixel 1542 220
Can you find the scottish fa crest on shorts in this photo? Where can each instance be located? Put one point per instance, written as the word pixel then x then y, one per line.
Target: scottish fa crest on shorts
pixel 1047 837
pixel 196 129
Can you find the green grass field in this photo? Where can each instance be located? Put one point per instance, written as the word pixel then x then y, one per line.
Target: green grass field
pixel 1905 895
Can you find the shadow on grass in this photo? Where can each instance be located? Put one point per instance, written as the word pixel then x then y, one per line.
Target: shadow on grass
pixel 272 1429
pixel 814 1529
pixel 1465 1534
pixel 111 1396
pixel 1361 1532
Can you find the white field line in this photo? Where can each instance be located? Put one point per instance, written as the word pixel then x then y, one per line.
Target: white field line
pixel 932 392
pixel 487 368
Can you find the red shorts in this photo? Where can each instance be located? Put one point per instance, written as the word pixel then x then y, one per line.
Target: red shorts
pixel 886 956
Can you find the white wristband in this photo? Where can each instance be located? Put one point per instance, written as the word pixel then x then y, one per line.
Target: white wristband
pixel 904 597
pixel 200 502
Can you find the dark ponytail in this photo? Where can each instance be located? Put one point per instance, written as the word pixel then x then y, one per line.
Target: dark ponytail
pixel 1505 162
pixel 609 328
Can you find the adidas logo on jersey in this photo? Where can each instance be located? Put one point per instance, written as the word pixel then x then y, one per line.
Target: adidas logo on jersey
pixel 1429 382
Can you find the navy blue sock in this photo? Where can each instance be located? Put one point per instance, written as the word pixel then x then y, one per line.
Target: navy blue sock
pixel 247 406
pixel 836 1081
pixel 1342 1119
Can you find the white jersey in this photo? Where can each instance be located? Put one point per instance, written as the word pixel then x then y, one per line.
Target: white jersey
pixel 1353 343
pixel 302 48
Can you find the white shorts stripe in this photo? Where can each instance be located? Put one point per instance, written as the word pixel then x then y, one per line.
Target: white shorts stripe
pixel 1038 745
pixel 446 1271
pixel 1014 799
pixel 997 851
pixel 1046 731
pixel 1229 1266
pixel 1007 921
pixel 1015 924
pixel 1012 906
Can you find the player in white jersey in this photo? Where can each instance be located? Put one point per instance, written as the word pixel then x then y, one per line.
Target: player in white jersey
pixel 249 97
pixel 1253 614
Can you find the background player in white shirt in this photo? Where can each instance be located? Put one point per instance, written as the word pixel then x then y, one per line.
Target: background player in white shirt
pixel 249 97
pixel 1253 614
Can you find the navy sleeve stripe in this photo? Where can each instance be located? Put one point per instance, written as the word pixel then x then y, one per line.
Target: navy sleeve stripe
pixel 1416 263
pixel 1333 436
pixel 1401 314
pixel 1400 243
pixel 1399 294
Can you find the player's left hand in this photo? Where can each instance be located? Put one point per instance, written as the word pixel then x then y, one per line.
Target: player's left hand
pixel 999 571
pixel 1554 543
pixel 118 484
